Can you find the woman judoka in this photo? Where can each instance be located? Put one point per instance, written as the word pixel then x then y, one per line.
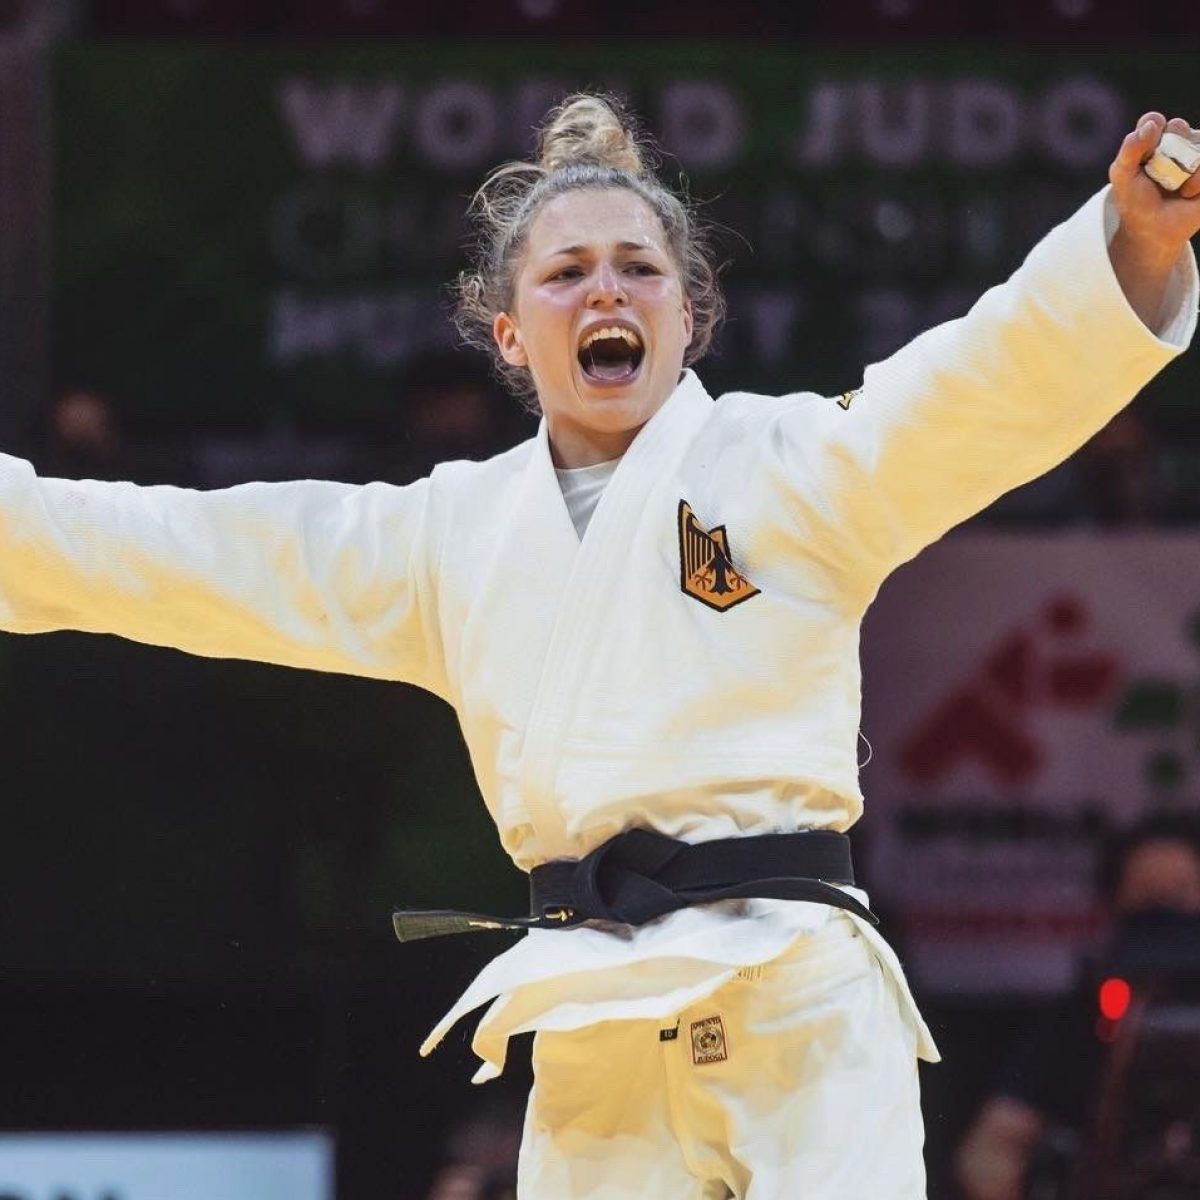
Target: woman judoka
pixel 647 620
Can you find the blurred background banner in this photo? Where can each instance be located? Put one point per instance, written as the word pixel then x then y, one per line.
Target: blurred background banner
pixel 1022 696
pixel 261 1166
pixel 246 238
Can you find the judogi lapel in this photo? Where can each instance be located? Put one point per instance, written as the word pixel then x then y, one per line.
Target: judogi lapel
pixel 591 584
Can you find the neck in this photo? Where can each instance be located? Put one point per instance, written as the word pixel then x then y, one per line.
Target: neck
pixel 574 444
pixel 574 447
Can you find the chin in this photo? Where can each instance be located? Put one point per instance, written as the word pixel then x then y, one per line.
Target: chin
pixel 639 397
pixel 617 413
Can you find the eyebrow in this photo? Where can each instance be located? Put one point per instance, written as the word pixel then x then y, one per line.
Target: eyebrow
pixel 633 247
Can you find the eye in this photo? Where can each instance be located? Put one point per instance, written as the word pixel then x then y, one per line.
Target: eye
pixel 564 273
pixel 643 268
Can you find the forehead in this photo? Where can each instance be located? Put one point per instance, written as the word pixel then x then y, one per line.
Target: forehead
pixel 594 217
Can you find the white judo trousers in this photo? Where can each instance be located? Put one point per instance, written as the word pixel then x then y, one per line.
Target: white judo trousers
pixel 796 1080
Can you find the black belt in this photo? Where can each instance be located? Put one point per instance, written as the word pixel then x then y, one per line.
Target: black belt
pixel 640 875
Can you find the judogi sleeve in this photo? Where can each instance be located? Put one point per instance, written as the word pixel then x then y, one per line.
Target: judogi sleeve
pixel 322 575
pixel 979 405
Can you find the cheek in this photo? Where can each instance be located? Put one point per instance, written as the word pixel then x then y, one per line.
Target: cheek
pixel 546 316
pixel 553 303
pixel 666 295
pixel 674 314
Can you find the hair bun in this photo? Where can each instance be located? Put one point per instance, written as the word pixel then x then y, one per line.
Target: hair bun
pixel 588 141
pixel 588 128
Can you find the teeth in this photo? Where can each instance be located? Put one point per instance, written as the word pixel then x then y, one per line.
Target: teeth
pixel 612 331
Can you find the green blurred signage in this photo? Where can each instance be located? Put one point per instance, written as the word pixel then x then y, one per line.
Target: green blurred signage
pixel 245 235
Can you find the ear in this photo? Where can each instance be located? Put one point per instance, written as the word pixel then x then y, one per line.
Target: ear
pixel 508 339
pixel 688 321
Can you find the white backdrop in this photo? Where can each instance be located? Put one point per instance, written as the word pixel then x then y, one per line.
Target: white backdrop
pixel 1021 692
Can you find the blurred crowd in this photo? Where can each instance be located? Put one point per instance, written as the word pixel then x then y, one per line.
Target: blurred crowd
pixel 447 407
pixel 1098 1098
pixel 1130 475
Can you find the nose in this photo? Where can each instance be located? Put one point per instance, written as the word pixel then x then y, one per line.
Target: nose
pixel 607 287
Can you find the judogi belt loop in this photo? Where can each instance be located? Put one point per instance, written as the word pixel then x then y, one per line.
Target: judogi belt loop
pixel 640 875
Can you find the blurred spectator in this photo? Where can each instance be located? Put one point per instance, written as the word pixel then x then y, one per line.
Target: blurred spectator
pixel 1048 1094
pixel 448 408
pixel 483 1157
pixel 1117 472
pixel 1115 479
pixel 83 439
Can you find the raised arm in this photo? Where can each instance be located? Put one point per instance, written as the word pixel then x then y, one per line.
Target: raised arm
pixel 1154 226
pixel 320 575
pixel 977 406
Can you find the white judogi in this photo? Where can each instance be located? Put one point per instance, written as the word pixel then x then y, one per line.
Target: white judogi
pixel 795 1079
pixel 594 692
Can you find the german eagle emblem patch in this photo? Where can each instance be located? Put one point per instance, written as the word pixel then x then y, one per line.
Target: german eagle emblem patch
pixel 706 570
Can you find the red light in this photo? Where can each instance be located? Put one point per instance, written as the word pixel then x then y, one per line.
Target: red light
pixel 1114 999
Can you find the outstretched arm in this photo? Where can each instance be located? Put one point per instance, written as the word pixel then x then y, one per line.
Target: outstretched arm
pixel 977 406
pixel 1155 226
pixel 307 574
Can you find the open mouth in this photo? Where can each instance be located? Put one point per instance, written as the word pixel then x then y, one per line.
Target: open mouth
pixel 611 354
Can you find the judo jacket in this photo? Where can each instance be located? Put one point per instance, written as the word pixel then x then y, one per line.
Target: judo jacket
pixel 691 664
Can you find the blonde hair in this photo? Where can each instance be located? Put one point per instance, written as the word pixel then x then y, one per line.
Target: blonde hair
pixel 588 141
